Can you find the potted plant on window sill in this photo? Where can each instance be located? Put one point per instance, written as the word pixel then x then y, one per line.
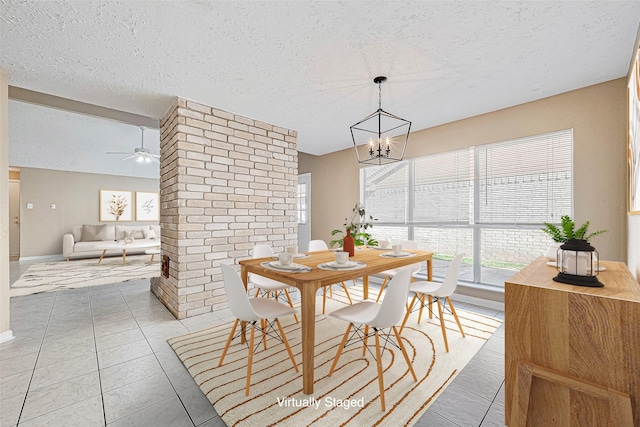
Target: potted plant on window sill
pixel 356 227
pixel 566 231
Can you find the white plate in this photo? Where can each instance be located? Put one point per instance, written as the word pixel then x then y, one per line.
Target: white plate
pixel 555 264
pixel 292 266
pixel 378 248
pixel 400 255
pixel 296 256
pixel 347 264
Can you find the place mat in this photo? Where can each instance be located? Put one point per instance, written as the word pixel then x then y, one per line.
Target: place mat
pixel 402 255
pixel 325 266
pixel 299 268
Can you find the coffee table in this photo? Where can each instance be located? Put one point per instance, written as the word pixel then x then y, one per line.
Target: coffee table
pixel 121 246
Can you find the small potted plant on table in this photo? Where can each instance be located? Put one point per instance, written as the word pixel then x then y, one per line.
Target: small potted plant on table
pixel 355 228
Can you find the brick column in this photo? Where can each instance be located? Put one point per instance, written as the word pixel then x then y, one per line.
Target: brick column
pixel 227 182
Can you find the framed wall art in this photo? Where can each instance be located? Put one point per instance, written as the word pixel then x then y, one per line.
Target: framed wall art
pixel 634 136
pixel 116 205
pixel 147 206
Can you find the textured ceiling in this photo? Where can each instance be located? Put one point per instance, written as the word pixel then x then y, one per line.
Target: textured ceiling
pixel 308 65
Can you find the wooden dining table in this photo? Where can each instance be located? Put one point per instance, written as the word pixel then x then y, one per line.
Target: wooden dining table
pixel 309 282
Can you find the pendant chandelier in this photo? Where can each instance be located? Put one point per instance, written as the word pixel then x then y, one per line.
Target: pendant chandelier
pixel 381 137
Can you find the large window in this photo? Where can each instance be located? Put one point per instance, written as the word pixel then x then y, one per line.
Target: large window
pixel 488 202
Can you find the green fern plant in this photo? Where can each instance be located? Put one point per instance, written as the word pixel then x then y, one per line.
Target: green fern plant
pixel 567 230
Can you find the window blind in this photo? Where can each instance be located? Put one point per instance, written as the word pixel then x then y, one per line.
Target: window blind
pixel 385 191
pixel 525 181
pixel 442 188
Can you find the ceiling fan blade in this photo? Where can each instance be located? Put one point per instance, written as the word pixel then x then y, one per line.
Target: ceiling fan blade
pixel 118 152
pixel 157 156
pixel 130 157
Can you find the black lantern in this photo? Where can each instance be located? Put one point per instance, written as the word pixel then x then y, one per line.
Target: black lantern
pixel 578 264
pixel 381 137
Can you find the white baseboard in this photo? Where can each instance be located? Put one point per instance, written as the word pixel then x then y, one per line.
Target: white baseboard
pixel 58 257
pixel 6 336
pixel 494 305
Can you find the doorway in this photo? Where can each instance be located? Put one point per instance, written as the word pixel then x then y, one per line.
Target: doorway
pixel 14 220
pixel 304 211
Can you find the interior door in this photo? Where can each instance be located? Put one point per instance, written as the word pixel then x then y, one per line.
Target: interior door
pixel 304 211
pixel 14 218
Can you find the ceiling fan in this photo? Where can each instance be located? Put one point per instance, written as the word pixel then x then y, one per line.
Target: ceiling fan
pixel 141 154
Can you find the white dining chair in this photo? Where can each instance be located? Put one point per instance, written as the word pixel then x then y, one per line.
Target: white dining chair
pixel 266 285
pixel 411 245
pixel 320 245
pixel 440 294
pixel 252 310
pixel 381 317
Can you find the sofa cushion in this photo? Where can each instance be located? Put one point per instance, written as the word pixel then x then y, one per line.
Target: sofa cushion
pixel 135 231
pixel 156 229
pixel 93 233
pixel 150 235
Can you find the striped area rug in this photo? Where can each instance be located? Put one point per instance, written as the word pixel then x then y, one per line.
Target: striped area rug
pixel 351 395
pixel 60 275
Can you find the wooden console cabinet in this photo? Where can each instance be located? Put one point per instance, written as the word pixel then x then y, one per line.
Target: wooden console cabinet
pixel 572 354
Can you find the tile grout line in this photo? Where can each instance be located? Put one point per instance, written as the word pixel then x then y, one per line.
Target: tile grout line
pixel 158 360
pixel 37 357
pixel 492 402
pixel 95 345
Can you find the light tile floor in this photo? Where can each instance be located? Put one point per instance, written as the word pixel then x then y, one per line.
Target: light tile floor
pixel 98 356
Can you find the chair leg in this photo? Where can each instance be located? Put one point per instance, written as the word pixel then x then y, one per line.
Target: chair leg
pixel 286 344
pixel 404 353
pixel 346 291
pixel 382 288
pixel 226 347
pixel 430 302
pixel 295 316
pixel 331 291
pixel 342 344
pixel 421 307
pixel 379 364
pixel 263 323
pixel 250 361
pixel 364 340
pixel 455 315
pixel 444 330
pixel 409 308
pixel 257 293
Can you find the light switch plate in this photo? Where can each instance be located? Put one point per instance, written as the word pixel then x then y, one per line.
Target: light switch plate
pixel 53 205
pixel 29 205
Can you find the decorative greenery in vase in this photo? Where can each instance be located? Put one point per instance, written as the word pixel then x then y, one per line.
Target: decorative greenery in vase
pixel 358 225
pixel 567 230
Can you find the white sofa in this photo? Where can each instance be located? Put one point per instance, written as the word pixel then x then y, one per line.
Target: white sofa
pixel 89 240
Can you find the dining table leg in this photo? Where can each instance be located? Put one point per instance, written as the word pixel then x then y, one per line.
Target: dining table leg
pixel 308 304
pixel 365 287
pixel 244 275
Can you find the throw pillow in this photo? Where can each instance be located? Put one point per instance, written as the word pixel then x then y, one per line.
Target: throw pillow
pixel 150 234
pixel 137 233
pixel 93 233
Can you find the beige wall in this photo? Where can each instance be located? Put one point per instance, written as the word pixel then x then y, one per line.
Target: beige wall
pixel 597 115
pixel 4 206
pixel 77 199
